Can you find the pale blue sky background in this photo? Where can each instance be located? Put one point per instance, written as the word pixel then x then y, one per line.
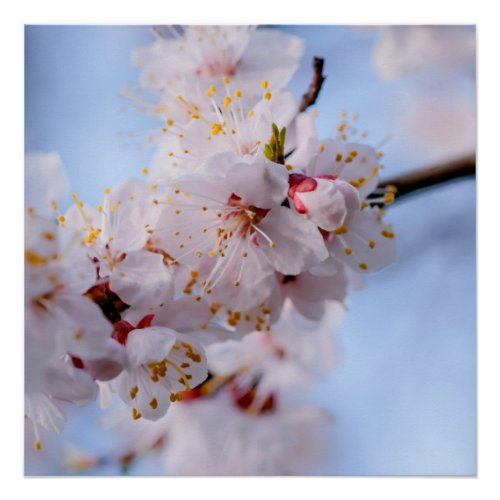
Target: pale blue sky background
pixel 404 390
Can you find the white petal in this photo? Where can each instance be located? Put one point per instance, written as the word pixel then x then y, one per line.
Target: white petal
pixel 183 315
pixel 371 250
pixel 109 367
pixel 68 383
pixel 225 358
pixel 298 243
pixel 262 184
pixel 84 330
pixel 45 182
pixel 150 344
pixel 142 280
pixel 329 204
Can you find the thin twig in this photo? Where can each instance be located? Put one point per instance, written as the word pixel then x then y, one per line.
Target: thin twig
pixel 431 176
pixel 309 98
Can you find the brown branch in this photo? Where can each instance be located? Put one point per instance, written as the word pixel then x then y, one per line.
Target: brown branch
pixel 309 98
pixel 432 176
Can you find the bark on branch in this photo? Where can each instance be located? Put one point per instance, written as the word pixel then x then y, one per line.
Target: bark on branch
pixel 432 176
pixel 309 98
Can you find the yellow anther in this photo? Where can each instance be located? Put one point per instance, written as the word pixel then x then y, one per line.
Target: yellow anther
pixel 61 219
pixel 391 189
pixel 210 91
pixel 114 206
pixel 389 198
pixel 267 96
pixel 250 114
pixel 225 79
pixel 237 93
pixel 145 171
pixel 107 191
pixel 48 236
pixel 227 101
pixel 341 230
pixel 133 392
pixel 135 414
pixel 153 403
pixel 387 234
pixel 362 265
pixel 364 204
pixel 371 244
pixel 236 283
pixel 353 154
pixel 264 84
pixel 216 128
pixel 321 148
pixel 38 445
pixel 195 116
pixel 53 205
pixel 338 157
pixel 348 251
pixel 169 122
pixel 288 167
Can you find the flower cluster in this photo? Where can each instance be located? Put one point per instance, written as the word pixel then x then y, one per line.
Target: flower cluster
pixel 208 285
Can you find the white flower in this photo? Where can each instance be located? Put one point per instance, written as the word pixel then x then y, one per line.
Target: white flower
pixel 57 273
pixel 230 228
pixel 45 390
pixel 406 49
pixel 202 55
pixel 213 437
pixel 293 354
pixel 116 238
pixel 161 364
pixel 362 241
pixel 46 185
pixel 233 125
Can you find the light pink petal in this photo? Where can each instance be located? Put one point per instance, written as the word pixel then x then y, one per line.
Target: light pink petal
pixel 298 245
pixel 142 280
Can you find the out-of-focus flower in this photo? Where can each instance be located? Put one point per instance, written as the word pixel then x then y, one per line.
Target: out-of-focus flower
pixel 46 186
pixel 291 355
pixel 285 441
pixel 407 49
pixel 116 237
pixel 201 56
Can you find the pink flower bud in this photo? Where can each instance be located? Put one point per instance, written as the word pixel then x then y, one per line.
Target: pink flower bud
pixel 325 200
